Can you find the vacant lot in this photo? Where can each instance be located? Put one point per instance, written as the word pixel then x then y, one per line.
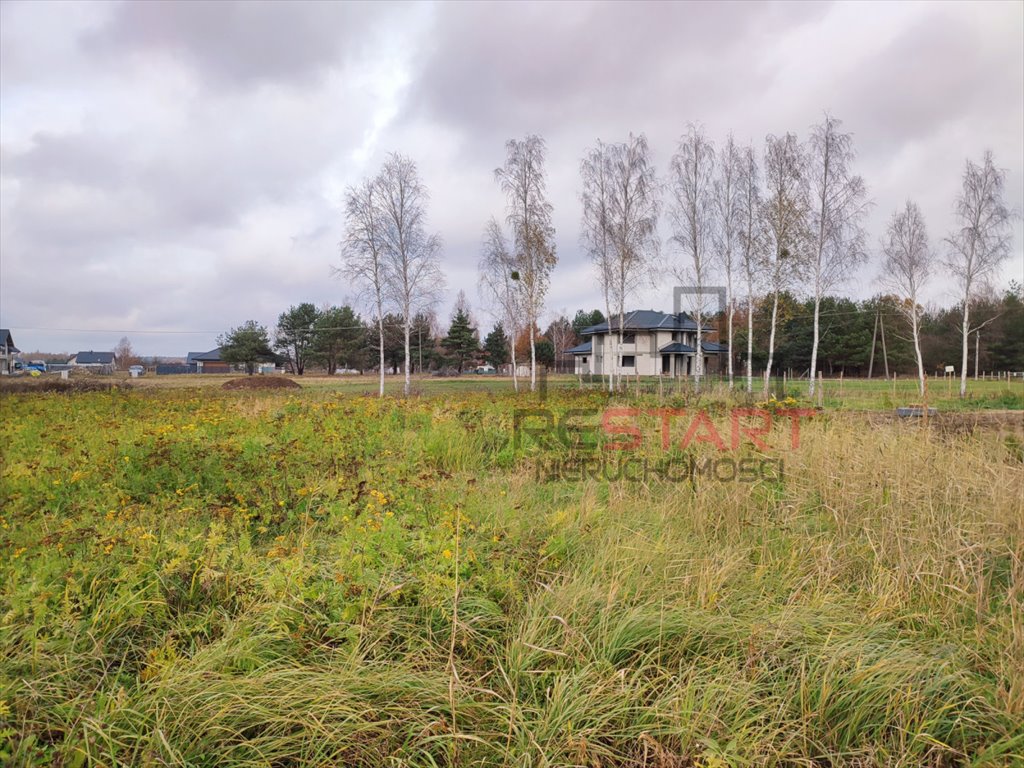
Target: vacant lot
pixel 316 578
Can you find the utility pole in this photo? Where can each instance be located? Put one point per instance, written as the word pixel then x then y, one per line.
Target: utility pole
pixel 419 344
pixel 977 342
pixel 874 337
pixel 885 354
pixel 977 349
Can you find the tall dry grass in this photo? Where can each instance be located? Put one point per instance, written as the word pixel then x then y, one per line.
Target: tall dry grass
pixel 865 609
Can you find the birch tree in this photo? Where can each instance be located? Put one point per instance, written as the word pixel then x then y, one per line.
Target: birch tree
pixel 751 244
pixel 693 219
pixel 595 231
pixel 906 267
pixel 840 202
pixel 363 255
pixel 728 230
pixel 561 335
pixel 497 283
pixel 982 241
pixel 412 275
pixel 528 214
pixel 784 211
pixel 632 221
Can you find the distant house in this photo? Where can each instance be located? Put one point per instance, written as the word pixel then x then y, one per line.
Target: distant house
pixel 207 362
pixel 8 352
pixel 581 353
pixel 101 362
pixel 653 344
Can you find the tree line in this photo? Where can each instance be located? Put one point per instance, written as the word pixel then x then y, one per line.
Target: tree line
pixel 856 338
pixel 768 224
pixel 334 339
pixel 781 226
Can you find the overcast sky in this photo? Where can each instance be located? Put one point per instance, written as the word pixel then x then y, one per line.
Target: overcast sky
pixel 180 166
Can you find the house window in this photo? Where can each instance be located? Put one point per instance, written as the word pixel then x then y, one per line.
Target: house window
pixel 629 338
pixel 584 360
pixel 628 361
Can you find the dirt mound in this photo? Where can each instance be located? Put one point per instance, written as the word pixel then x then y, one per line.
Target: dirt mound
pixel 261 382
pixel 958 422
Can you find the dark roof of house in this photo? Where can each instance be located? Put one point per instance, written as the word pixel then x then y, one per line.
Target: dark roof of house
pixel 580 349
pixel 7 340
pixel 213 356
pixel 94 358
pixel 645 320
pixel 710 347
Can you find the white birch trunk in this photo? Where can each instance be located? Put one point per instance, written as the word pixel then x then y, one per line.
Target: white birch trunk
pixel 814 344
pixel 771 342
pixel 380 330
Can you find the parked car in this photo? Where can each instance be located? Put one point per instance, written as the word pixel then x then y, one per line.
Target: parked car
pixel 136 370
pixel 485 369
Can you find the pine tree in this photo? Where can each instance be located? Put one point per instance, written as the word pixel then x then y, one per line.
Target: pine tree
pixel 584 319
pixel 248 344
pixel 461 341
pixel 339 337
pixel 496 346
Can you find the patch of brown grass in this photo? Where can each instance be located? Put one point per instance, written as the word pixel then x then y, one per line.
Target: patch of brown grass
pixel 261 382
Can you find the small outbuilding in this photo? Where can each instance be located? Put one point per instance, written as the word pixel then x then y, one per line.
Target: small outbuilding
pixel 581 354
pixel 8 352
pixel 208 362
pixel 100 362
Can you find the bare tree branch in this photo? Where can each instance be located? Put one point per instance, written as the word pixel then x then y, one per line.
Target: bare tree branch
pixel 692 174
pixel 752 244
pixel 524 182
pixel 362 252
pixel 728 231
pixel 414 280
pixel 840 202
pixel 983 241
pixel 785 211
pixel 907 265
pixel 496 269
pixel 595 231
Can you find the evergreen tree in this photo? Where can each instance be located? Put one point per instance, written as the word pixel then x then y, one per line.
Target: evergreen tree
pixel 422 342
pixel 545 352
pixel 584 319
pixel 496 346
pixel 295 334
pixel 248 344
pixel 461 342
pixel 394 341
pixel 338 337
pixel 1006 351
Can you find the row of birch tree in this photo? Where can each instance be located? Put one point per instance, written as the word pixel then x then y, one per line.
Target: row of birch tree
pixel 786 216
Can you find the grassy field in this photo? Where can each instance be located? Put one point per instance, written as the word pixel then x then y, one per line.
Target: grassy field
pixel 854 394
pixel 320 578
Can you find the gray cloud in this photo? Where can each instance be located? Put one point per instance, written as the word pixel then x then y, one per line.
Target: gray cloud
pixel 180 165
pixel 238 43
